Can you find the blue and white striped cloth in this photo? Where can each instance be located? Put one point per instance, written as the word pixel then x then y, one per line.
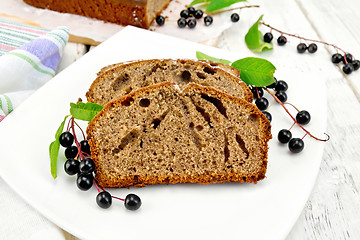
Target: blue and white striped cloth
pixel 29 57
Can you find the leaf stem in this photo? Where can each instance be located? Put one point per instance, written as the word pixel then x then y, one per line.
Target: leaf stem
pixel 231 9
pixel 302 38
pixel 282 104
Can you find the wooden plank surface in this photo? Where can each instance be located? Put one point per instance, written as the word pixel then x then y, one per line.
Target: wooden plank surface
pixel 334 205
pixel 337 22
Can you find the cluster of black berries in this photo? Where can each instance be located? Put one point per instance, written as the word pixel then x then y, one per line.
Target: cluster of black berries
pixel 350 64
pixel 295 145
pixel 84 168
pixel 262 103
pixel 280 87
pixel 282 40
pixel 189 16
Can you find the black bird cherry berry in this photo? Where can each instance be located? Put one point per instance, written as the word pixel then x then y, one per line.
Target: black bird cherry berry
pixel 208 20
pixel 262 103
pixel 66 139
pixel 257 92
pixel 191 10
pixel 160 20
pixel 71 166
pixel 281 85
pixel 71 152
pixel 348 57
pixel 185 13
pixel 284 136
pixel 267 115
pixel 235 17
pixel 87 165
pixel 198 14
pixel 348 68
pixel 84 181
pixel 282 40
pixel 336 58
pixel 281 95
pixel 303 117
pixel 296 145
pixel 301 47
pixel 191 23
pixel 181 22
pixel 132 202
pixel 268 37
pixel 312 48
pixel 104 199
pixel 85 147
pixel 356 64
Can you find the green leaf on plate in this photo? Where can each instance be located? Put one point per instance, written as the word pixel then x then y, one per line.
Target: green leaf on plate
pixel 203 56
pixel 254 38
pixel 216 5
pixel 195 2
pixel 85 111
pixel 255 71
pixel 54 149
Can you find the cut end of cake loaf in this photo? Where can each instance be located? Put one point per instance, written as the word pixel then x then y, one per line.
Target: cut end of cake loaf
pixel 116 81
pixel 160 135
pixel 124 12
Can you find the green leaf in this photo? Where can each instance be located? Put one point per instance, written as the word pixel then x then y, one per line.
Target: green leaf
pixel 54 149
pixel 195 2
pixel 255 71
pixel 254 38
pixel 216 5
pixel 203 56
pixel 85 111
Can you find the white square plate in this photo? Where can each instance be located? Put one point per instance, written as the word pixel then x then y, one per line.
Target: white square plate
pixel 266 210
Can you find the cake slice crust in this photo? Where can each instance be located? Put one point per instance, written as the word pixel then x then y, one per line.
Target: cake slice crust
pixel 160 134
pixel 118 80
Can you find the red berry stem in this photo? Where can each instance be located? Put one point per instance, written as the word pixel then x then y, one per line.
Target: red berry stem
pixel 68 126
pixel 257 91
pixel 304 136
pixel 282 104
pixel 121 199
pixel 96 185
pixel 292 126
pixel 292 106
pixel 302 38
pixel 80 130
pixel 80 154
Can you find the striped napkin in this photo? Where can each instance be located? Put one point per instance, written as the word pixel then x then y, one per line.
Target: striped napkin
pixel 29 57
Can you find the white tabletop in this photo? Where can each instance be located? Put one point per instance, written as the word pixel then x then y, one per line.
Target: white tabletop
pixel 333 208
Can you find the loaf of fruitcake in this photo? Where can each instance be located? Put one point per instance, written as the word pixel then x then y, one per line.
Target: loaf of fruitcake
pixel 139 13
pixel 163 135
pixel 115 81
